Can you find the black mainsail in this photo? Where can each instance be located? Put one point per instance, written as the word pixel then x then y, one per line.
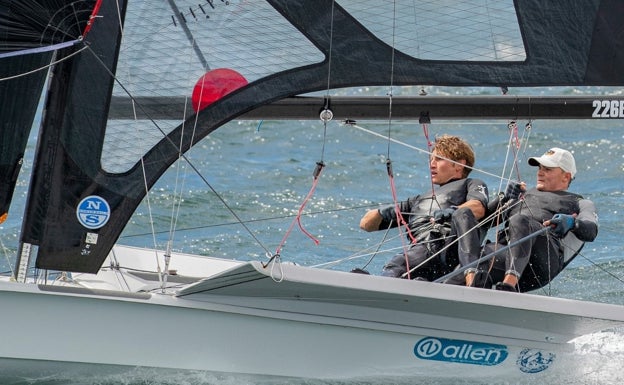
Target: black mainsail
pixel 80 200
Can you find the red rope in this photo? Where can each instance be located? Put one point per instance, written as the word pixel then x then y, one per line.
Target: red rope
pixel 397 210
pixel 317 173
pixel 515 141
pixel 399 217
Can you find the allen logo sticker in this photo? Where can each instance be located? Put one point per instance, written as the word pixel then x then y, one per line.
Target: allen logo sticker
pixel 465 352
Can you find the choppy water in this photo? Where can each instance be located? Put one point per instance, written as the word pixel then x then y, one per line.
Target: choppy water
pixel 263 173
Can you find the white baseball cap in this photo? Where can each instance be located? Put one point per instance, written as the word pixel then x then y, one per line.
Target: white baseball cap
pixel 556 157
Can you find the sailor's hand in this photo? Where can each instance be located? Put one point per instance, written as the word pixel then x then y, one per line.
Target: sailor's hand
pixel 561 223
pixel 514 189
pixel 444 215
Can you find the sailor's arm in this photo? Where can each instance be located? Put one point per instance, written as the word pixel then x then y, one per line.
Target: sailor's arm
pixel 476 207
pixel 586 222
pixel 583 224
pixel 476 198
pixel 371 220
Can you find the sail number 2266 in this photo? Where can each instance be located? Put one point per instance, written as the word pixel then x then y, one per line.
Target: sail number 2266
pixel 608 109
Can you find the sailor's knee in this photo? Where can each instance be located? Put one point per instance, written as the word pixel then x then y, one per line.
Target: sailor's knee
pixel 519 220
pixel 394 268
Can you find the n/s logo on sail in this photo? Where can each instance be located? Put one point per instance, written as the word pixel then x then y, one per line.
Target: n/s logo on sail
pixel 93 212
pixel 465 352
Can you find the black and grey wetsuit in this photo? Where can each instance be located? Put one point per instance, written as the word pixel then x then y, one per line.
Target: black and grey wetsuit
pixel 430 238
pixel 538 260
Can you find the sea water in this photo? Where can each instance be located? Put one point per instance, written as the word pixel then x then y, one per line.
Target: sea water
pixel 259 174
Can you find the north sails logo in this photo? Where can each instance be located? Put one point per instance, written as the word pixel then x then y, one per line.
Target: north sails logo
pixel 93 212
pixel 465 352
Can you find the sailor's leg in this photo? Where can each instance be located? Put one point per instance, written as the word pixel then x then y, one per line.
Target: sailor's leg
pixel 398 265
pixel 467 235
pixel 520 226
pixel 491 271
pixel 545 263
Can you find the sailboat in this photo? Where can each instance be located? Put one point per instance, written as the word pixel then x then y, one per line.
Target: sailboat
pixel 122 103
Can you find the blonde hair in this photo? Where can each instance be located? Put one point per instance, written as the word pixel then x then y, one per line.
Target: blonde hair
pixel 455 149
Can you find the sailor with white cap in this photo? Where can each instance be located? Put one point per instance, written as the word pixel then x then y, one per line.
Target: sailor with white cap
pixel 556 158
pixel 534 262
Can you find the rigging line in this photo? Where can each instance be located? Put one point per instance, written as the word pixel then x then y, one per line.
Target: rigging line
pixel 526 134
pixel 119 19
pixel 188 34
pixel 114 266
pixel 421 150
pixel 297 219
pixel 516 144
pixel 331 43
pixel 148 200
pixel 149 210
pixel 326 115
pixel 374 254
pixel 199 174
pixel 399 215
pixel 513 139
pixel 401 223
pixel 456 240
pixel 252 220
pixel 391 76
pixel 122 32
pixel 177 202
pixel 524 139
pixel 240 221
pixel 56 28
pixel 5 251
pixel 489 17
pixel 424 120
pixel 546 289
pixel 497 218
pixel 176 207
pixel 608 272
pixel 47 66
pixel 512 126
pixel 500 215
pixel 523 144
pixel 515 148
pixel 491 255
pixel 507 153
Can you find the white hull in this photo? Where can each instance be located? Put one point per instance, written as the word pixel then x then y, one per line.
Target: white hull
pixel 314 323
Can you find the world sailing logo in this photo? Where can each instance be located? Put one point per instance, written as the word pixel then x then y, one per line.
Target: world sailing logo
pixel 465 352
pixel 93 212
